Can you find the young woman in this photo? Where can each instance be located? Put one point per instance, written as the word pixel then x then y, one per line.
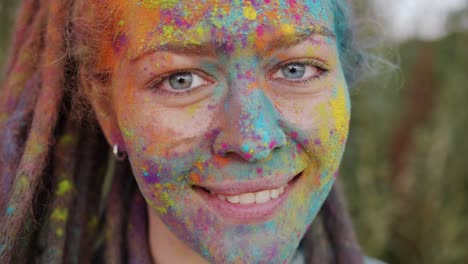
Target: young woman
pixel 231 117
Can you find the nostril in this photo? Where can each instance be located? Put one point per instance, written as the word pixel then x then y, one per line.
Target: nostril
pixel 249 152
pixel 222 149
pixel 256 152
pixel 277 141
pixel 253 143
pixel 273 144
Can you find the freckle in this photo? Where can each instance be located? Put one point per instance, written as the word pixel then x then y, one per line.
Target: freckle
pixel 317 142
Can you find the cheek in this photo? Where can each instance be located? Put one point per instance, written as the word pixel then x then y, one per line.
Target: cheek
pixel 303 113
pixel 317 114
pixel 321 122
pixel 163 143
pixel 158 130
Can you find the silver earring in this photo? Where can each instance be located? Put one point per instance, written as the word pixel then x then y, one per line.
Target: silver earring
pixel 119 155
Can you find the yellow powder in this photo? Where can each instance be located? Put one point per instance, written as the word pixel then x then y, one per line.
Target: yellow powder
pixel 250 12
pixel 287 28
pixel 340 113
pixel 164 4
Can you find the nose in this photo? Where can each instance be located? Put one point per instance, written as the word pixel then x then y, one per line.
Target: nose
pixel 250 129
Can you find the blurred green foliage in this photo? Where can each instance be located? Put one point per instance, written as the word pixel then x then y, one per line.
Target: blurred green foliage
pixel 406 165
pixel 7 18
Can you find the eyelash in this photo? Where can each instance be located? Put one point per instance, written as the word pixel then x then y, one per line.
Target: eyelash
pixel 156 83
pixel 323 69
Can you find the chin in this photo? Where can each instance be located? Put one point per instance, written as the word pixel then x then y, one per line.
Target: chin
pixel 222 240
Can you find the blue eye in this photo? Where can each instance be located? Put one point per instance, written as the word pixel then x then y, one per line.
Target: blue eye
pixel 181 81
pixel 293 71
pixel 299 71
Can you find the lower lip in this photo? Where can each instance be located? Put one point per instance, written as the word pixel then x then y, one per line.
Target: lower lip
pixel 247 213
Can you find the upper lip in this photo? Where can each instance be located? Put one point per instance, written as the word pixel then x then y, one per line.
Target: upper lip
pixel 256 185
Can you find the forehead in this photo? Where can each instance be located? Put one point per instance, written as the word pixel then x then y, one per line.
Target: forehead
pixel 235 23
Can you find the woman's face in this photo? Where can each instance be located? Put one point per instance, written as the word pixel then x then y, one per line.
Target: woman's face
pixel 234 115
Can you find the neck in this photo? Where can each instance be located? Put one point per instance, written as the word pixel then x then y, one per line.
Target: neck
pixel 165 247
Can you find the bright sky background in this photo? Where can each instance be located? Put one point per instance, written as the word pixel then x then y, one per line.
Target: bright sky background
pixel 423 19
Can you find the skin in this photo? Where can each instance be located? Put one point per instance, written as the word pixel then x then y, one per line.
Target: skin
pixel 243 121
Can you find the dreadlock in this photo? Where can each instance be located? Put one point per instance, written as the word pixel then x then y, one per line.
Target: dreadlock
pixel 55 163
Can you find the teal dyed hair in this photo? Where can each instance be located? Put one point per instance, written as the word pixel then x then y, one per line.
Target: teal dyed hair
pixel 352 56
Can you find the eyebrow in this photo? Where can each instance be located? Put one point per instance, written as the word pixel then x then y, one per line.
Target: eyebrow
pixel 179 48
pixel 209 49
pixel 289 40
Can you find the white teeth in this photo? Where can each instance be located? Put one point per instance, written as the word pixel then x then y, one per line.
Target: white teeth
pixel 263 196
pixel 281 190
pixel 233 199
pixel 274 193
pixel 249 198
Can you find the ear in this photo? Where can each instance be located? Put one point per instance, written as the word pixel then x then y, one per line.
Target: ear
pixel 99 93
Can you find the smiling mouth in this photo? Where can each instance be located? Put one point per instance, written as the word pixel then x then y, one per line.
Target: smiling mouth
pixel 249 198
pixel 256 203
pixel 259 197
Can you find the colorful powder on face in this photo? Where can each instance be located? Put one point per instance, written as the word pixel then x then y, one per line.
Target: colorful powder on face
pixel 163 4
pixel 237 135
pixel 119 43
pixel 250 12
